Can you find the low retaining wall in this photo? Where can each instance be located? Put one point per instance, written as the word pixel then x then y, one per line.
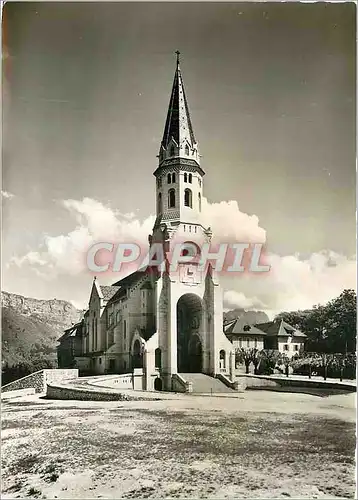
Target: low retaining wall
pixel 18 393
pixel 124 381
pixel 262 381
pixel 87 394
pixel 39 380
pixel 236 385
pixel 181 385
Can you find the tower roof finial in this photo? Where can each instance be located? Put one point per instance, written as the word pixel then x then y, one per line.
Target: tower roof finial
pixel 178 54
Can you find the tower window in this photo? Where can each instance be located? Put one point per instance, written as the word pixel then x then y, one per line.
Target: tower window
pixel 187 150
pixel 199 201
pixel 190 178
pixel 169 178
pixel 160 204
pixel 199 182
pixel 185 177
pixel 171 198
pixel 173 178
pixel 188 202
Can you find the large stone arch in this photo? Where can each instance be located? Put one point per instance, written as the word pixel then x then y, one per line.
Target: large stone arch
pixel 189 339
pixel 137 351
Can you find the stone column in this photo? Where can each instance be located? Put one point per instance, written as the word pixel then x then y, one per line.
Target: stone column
pixel 232 365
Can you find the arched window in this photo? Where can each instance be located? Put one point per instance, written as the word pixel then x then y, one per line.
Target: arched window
pixel 173 178
pixel 172 151
pixel 185 177
pixel 187 150
pixel 190 178
pixel 158 358
pixel 199 201
pixel 171 198
pixel 124 329
pixel 169 178
pixel 222 360
pixel 160 204
pixel 188 202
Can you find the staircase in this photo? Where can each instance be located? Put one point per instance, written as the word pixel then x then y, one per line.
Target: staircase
pixel 205 384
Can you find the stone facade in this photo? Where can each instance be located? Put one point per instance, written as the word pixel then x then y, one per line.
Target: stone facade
pixel 165 321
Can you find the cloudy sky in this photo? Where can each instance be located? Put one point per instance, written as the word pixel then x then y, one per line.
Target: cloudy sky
pixel 271 90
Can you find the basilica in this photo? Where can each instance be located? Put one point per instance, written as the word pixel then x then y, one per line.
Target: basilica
pixel 164 325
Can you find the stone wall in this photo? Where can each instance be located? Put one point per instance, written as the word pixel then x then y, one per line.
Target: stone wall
pixel 124 381
pixel 35 380
pixel 18 393
pixel 261 381
pixel 60 375
pixel 79 394
pixel 38 380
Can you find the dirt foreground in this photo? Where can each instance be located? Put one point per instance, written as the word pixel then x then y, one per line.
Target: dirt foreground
pixel 257 445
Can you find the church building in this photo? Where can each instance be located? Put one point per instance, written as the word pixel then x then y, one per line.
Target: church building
pixel 168 324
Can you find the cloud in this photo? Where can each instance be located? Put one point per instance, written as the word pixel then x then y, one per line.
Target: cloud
pixel 234 299
pixel 229 224
pixel 292 283
pixel 94 222
pixel 7 195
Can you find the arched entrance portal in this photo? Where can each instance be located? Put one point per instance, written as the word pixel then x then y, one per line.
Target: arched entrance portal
pixel 137 358
pixel 189 346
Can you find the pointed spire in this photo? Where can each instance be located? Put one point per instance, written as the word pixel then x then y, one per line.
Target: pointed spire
pixel 178 130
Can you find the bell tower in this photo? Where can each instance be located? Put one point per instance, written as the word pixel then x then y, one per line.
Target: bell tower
pixel 179 176
pixel 189 306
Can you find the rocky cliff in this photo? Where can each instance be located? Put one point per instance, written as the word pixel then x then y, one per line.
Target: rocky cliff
pixel 59 311
pixel 251 317
pixel 30 329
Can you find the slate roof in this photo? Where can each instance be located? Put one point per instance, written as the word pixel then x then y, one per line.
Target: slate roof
pixel 70 332
pixel 279 329
pixel 108 291
pixel 178 123
pixel 240 327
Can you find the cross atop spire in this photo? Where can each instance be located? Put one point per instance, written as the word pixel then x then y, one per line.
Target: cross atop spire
pixel 178 54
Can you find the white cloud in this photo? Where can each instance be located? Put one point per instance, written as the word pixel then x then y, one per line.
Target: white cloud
pixel 229 224
pixel 95 222
pixel 7 195
pixel 234 299
pixel 293 282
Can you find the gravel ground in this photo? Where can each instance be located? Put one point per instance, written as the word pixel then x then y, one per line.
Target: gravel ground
pixel 259 444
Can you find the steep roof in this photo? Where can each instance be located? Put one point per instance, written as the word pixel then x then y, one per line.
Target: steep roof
pixel 279 329
pixel 71 332
pixel 240 327
pixel 108 291
pixel 178 123
pixel 125 283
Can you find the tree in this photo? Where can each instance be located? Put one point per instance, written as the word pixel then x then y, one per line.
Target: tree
pixel 269 358
pixel 330 328
pixel 243 356
pixel 287 362
pixel 341 322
